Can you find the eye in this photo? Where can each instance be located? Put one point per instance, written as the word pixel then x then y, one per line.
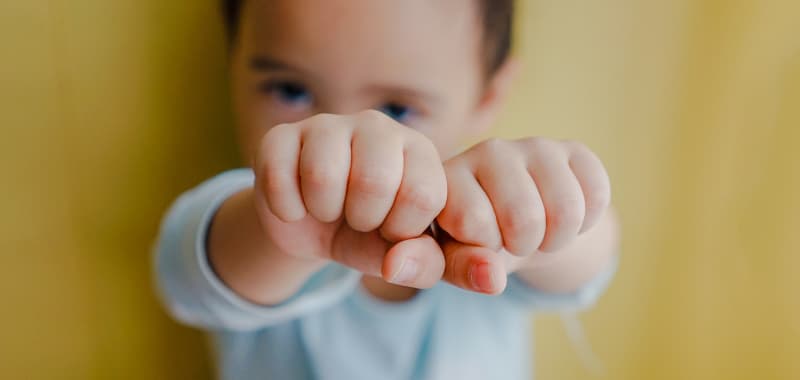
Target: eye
pixel 397 111
pixel 291 93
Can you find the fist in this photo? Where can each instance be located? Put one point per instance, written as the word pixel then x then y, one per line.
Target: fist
pixel 366 167
pixel 522 196
pixel 347 187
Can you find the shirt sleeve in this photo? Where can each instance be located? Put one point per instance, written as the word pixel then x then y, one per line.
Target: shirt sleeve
pixel 191 291
pixel 520 294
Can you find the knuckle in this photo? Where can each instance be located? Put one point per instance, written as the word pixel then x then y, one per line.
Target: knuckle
pixel 319 176
pixel 422 143
pixel 518 221
pixel 576 146
pixel 281 129
pixel 376 185
pixel 471 225
pixel 274 136
pixel 274 182
pixel 578 151
pixel 523 230
pixel 422 198
pixel 371 117
pixel 321 120
pixel 538 144
pixel 493 146
pixel 567 213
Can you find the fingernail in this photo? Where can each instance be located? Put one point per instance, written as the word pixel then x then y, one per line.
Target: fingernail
pixel 480 277
pixel 407 272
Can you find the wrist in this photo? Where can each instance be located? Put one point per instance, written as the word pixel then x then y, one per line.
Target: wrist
pixel 247 261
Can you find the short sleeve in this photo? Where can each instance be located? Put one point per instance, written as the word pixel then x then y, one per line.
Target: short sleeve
pixel 521 294
pixel 192 292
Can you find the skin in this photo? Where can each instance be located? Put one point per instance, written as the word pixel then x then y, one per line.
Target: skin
pixel 337 180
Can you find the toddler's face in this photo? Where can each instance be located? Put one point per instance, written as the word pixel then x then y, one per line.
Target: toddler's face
pixel 419 61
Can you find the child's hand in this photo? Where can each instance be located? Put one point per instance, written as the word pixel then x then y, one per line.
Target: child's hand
pixel 524 196
pixel 346 188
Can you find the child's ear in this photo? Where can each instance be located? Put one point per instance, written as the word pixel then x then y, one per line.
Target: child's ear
pixel 494 95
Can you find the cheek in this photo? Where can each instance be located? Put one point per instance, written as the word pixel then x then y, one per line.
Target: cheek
pixel 447 137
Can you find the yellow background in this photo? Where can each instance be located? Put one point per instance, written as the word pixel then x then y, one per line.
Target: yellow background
pixel 110 109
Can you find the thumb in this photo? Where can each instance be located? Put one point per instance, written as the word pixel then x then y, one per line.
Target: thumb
pixel 473 268
pixel 417 263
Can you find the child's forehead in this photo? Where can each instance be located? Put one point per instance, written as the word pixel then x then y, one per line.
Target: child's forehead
pixel 423 42
pixel 432 27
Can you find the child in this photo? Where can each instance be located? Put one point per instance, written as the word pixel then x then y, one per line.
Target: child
pixel 308 264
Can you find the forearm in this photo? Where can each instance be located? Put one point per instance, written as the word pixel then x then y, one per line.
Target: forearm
pixel 567 270
pixel 247 261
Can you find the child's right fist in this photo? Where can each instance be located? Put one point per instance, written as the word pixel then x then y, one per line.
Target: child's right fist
pixel 367 168
pixel 377 172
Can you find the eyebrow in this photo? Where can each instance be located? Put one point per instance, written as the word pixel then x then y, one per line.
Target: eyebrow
pixel 262 63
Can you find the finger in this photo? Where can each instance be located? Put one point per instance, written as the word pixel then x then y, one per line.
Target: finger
pixel 276 172
pixel 468 215
pixel 474 268
pixel 324 168
pixel 375 174
pixel 562 197
pixel 594 182
pixel 363 252
pixel 422 194
pixel 417 263
pixel 516 203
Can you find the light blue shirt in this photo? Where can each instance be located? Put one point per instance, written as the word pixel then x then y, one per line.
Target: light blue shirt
pixel 334 329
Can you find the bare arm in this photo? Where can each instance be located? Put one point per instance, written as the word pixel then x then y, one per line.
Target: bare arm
pixel 576 264
pixel 247 261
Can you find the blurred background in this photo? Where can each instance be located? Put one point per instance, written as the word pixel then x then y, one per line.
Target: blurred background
pixel 110 109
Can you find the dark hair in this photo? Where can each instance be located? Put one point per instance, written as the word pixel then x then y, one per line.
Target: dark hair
pixel 498 17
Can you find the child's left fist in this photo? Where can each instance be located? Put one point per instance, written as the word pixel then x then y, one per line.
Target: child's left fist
pixel 527 195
